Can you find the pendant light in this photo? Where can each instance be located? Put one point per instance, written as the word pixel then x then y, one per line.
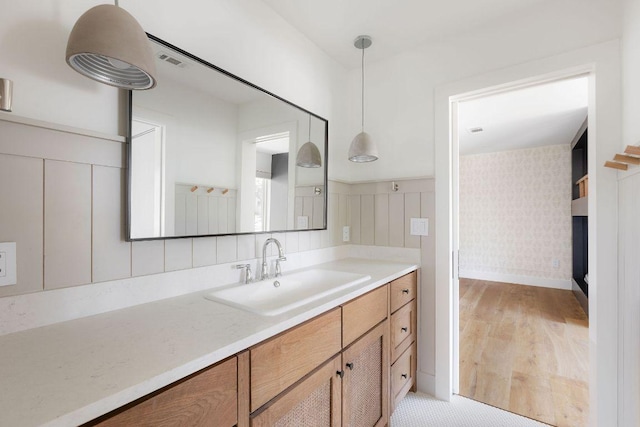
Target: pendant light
pixel 108 45
pixel 309 155
pixel 362 148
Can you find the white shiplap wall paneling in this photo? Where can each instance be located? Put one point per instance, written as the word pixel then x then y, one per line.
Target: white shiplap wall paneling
pixel 67 224
pixel 111 253
pixel 204 251
pixel 227 249
pixel 203 215
pixel 21 219
pixel 396 219
pixel 317 217
pixel 382 219
pixel 411 210
pixel 181 215
pixel 147 257
pixel 178 254
pixel 354 218
pixel 367 220
pixel 246 247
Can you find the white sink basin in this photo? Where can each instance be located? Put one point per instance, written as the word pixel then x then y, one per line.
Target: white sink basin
pixel 276 296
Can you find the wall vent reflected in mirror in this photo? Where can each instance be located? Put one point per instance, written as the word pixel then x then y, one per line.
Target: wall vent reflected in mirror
pixel 211 154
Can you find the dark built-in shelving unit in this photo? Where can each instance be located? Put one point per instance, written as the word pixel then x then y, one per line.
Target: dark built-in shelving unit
pixel 580 219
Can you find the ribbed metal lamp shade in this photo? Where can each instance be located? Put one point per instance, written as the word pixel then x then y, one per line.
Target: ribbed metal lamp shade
pixel 108 45
pixel 363 149
pixel 309 156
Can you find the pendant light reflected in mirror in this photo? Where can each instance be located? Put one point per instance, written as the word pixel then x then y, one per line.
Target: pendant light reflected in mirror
pixel 108 45
pixel 362 148
pixel 309 155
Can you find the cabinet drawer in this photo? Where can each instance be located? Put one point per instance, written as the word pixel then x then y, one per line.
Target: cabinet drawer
pixel 278 363
pixel 363 313
pixel 403 290
pixel 207 398
pixel 402 375
pixel 403 329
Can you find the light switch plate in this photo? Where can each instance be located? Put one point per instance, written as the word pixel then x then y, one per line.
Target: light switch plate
pixel 8 273
pixel 303 223
pixel 419 226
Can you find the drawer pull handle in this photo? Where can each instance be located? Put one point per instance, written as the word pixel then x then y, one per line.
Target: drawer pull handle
pixel 405 329
pixel 405 291
pixel 404 376
pixel 340 374
pixel 350 366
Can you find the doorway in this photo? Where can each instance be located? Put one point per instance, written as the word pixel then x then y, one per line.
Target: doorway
pixel 523 337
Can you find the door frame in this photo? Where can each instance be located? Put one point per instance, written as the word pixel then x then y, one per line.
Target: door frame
pixel 602 64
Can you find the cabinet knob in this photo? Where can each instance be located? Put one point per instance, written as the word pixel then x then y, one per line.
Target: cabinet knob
pixel 404 376
pixel 405 291
pixel 350 366
pixel 340 374
pixel 405 329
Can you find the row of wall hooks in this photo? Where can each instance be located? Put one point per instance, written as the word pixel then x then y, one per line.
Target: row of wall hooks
pixel 631 156
pixel 209 190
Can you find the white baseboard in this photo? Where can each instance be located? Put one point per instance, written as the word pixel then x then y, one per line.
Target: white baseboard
pixel 542 282
pixel 426 383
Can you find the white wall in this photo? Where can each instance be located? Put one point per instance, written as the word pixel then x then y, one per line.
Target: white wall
pixel 515 216
pixel 400 91
pixel 629 212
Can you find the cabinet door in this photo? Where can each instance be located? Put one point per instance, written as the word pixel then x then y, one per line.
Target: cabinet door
pixel 365 388
pixel 314 402
pixel 279 362
pixel 207 398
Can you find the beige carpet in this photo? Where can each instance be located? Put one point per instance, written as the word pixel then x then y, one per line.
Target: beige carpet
pixel 422 410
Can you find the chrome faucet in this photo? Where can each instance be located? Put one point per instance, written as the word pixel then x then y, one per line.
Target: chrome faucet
pixel 281 257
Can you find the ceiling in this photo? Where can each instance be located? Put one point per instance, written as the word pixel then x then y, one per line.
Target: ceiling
pixel 395 26
pixel 549 114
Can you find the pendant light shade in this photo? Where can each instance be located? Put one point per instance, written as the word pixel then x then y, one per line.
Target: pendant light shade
pixel 362 148
pixel 108 45
pixel 309 155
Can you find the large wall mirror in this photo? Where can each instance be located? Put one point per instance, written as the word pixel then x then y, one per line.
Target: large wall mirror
pixel 211 154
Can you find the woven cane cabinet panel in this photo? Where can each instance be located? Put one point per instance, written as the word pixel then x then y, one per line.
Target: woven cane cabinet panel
pixel 365 384
pixel 313 402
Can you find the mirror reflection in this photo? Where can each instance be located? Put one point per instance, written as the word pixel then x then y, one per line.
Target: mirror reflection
pixel 212 155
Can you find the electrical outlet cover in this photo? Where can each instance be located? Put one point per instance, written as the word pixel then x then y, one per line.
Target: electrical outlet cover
pixel 9 274
pixel 346 233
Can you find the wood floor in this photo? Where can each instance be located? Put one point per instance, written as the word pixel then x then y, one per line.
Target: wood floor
pixel 525 349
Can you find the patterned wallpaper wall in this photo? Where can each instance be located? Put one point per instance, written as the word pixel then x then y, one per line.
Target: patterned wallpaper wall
pixel 515 213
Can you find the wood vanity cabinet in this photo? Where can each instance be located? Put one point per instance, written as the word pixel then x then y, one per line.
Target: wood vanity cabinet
pixel 346 367
pixel 206 398
pixel 350 386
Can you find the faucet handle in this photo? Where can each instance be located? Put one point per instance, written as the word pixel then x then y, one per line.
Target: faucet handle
pixel 247 274
pixel 278 271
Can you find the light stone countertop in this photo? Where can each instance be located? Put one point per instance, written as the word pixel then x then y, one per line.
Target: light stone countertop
pixel 72 372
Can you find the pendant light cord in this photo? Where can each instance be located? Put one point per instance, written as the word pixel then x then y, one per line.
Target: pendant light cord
pixel 309 127
pixel 117 3
pixel 362 89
